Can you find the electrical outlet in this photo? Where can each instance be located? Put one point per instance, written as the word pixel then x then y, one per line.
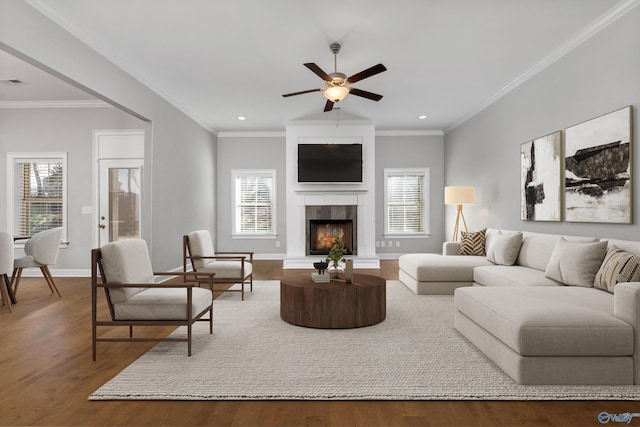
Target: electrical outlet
pixel 277 243
pixel 397 243
pixel 87 210
pixel 382 243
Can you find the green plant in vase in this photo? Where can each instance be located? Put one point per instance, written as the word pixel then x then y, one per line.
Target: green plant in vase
pixel 336 254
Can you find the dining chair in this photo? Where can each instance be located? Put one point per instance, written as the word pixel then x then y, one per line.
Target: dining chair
pixel 41 251
pixel 6 268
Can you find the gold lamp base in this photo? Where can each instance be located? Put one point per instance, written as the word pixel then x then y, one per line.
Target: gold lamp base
pixel 455 230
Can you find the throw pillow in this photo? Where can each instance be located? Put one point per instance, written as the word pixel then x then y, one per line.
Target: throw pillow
pixel 619 266
pixel 473 243
pixel 504 248
pixel 574 263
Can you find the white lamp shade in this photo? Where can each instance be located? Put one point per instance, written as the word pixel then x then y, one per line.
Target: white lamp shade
pixel 459 195
pixel 336 93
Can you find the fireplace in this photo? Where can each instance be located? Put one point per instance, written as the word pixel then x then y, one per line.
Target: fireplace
pixel 323 221
pixel 322 232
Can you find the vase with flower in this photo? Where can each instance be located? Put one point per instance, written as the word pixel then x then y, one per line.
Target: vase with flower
pixel 336 256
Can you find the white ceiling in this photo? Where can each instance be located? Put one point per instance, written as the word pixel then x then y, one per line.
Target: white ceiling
pixel 220 59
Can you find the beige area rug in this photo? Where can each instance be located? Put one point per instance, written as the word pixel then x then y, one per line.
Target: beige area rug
pixel 416 353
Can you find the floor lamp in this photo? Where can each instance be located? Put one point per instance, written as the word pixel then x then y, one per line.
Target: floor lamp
pixel 459 196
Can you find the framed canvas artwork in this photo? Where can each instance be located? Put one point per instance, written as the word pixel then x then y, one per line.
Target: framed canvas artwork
pixel 540 178
pixel 598 169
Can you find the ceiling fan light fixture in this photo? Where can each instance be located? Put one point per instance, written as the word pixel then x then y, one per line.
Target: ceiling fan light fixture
pixel 336 93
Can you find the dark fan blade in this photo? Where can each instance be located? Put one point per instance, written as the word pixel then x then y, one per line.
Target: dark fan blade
pixel 300 93
pixel 328 106
pixel 313 67
pixel 365 94
pixel 367 73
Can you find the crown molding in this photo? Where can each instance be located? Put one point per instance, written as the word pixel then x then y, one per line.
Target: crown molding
pixel 409 133
pixel 116 59
pixel 56 104
pixel 249 134
pixel 585 34
pixel 281 134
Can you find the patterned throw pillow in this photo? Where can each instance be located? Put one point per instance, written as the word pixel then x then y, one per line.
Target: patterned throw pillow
pixel 619 266
pixel 473 243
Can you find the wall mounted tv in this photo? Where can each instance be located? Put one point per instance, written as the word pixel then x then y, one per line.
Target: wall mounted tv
pixel 329 163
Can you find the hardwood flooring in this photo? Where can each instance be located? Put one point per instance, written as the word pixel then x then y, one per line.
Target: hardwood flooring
pixel 46 375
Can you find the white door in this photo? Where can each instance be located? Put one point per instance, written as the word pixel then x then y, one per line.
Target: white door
pixel 119 156
pixel 120 199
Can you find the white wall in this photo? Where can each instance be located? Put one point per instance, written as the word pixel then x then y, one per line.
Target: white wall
pixel 599 76
pixel 301 194
pixel 63 130
pixel 179 153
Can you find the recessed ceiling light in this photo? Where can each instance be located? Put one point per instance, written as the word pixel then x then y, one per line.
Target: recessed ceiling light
pixel 242 118
pixel 11 81
pixel 422 117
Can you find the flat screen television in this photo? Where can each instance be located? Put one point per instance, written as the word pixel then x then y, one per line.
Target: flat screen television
pixel 329 163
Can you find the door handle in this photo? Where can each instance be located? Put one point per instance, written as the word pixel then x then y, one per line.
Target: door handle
pixel 102 226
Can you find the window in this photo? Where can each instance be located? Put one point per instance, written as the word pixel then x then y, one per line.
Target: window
pixel 254 203
pixel 37 192
pixel 406 202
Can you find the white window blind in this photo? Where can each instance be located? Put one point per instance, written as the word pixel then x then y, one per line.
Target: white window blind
pixel 254 206
pixel 38 194
pixel 405 202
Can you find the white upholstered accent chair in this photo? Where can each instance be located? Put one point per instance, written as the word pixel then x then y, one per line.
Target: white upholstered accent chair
pixel 41 251
pixel 229 267
pixel 6 267
pixel 123 269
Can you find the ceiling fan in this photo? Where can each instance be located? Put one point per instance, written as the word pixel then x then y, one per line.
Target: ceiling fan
pixel 337 85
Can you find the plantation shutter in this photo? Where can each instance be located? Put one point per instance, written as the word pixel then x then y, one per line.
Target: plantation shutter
pixel 405 203
pixel 39 195
pixel 254 203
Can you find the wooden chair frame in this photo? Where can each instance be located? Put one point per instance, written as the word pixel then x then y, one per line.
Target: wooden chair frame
pixel 98 270
pixel 222 256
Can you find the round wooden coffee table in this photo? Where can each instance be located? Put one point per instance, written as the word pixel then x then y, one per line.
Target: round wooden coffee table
pixel 333 305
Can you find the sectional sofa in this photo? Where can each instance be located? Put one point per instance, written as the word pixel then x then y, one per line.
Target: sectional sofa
pixel 547 309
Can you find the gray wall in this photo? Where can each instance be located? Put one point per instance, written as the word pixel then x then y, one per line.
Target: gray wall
pixel 412 152
pixel 62 130
pixel 179 180
pixel 269 153
pixel 250 153
pixel 599 76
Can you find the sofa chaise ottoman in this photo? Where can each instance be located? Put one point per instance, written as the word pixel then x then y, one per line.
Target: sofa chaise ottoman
pixel 547 309
pixel 553 334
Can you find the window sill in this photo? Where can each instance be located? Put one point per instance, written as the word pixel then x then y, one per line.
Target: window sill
pixel 264 236
pixel 407 235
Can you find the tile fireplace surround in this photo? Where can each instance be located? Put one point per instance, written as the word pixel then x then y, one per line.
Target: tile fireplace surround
pixel 337 205
pixel 331 213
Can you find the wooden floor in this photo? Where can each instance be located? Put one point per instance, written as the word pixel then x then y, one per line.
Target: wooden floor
pixel 46 375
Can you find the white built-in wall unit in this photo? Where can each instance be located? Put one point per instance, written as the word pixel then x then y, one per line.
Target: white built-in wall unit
pixel 361 195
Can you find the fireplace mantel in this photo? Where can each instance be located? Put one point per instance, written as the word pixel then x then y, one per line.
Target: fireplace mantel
pixel 362 195
pixel 325 191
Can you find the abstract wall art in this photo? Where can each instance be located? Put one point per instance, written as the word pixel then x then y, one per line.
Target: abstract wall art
pixel 540 178
pixel 598 169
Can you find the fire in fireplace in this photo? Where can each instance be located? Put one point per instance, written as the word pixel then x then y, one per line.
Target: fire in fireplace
pixel 321 234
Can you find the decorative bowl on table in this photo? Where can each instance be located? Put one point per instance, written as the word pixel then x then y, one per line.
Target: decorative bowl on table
pixel 320 266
